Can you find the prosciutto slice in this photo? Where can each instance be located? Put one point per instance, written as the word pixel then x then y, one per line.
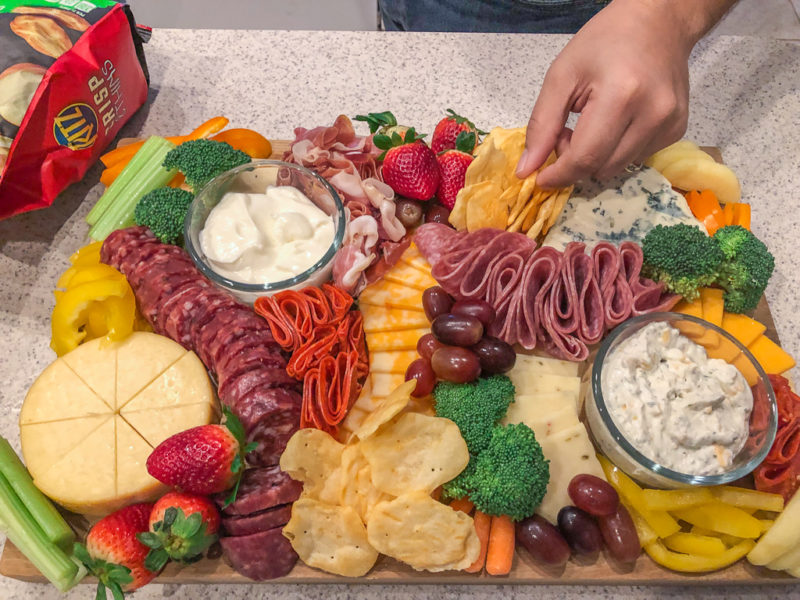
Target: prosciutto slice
pixel 563 301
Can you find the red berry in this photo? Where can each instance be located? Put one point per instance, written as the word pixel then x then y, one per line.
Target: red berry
pixel 447 131
pixel 411 170
pixel 453 165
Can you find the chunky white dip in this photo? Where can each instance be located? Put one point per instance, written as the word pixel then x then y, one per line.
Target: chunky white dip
pixel 676 406
pixel 265 238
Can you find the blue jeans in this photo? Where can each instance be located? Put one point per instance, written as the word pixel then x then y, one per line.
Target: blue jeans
pixel 494 16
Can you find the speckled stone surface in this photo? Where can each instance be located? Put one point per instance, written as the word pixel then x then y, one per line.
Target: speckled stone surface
pixel 745 99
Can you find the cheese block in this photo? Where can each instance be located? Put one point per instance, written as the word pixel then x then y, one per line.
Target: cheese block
pixel 546 414
pixel 570 453
pixel 772 358
pixel 87 450
pixel 391 362
pixel 384 384
pixel 543 364
pixel 395 340
pixel 742 327
pixel 406 274
pixel 391 295
pixel 378 319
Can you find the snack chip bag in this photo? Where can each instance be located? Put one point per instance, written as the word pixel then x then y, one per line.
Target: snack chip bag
pixel 72 72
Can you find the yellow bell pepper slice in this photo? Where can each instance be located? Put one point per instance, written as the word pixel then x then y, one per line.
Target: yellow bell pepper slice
pixel 72 306
pixel 660 521
pixel 695 563
pixel 89 273
pixel 728 540
pixel 692 543
pixel 88 255
pixel 722 518
pixel 676 499
pixel 643 530
pixel 748 499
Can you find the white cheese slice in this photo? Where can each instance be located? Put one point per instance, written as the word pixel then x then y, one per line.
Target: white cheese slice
pixel 44 444
pixel 93 362
pixel 134 483
pixel 142 357
pixel 623 209
pixel 157 424
pixel 532 383
pixel 544 364
pixel 184 382
pixel 570 453
pixel 547 414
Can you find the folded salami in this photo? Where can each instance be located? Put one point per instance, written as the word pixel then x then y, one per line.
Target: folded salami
pixel 71 75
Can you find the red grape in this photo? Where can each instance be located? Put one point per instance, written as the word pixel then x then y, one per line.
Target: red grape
pixel 455 364
pixel 427 345
pixel 495 355
pixel 437 214
pixel 543 540
pixel 619 534
pixel 479 309
pixel 580 530
pixel 436 301
pixel 457 330
pixel 592 494
pixel 421 370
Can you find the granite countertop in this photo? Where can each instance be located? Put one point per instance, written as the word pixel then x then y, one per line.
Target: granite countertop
pixel 745 99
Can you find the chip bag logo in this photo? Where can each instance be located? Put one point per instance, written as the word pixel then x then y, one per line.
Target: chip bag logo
pixel 76 126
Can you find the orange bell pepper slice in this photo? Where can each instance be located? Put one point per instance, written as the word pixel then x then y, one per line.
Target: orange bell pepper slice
pixel 248 141
pixel 705 207
pixel 741 215
pixel 727 213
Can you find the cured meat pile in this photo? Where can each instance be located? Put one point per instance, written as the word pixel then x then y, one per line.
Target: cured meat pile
pixel 375 237
pixel 237 347
pixel 329 352
pixel 780 471
pixel 563 301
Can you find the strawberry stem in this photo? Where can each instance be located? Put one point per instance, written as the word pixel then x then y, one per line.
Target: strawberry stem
pixel 377 121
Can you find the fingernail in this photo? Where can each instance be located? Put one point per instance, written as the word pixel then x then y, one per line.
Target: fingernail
pixel 524 166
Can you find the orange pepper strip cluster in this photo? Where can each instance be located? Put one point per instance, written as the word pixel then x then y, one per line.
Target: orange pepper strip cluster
pixel 706 208
pixel 329 351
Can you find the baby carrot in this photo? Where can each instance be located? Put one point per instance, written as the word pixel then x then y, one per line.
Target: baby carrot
pixel 483 523
pixel 462 504
pixel 500 552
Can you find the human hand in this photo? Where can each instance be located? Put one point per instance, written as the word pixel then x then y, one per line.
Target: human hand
pixel 626 73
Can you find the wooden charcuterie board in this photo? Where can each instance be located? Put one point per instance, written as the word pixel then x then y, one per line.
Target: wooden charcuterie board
pixel 600 570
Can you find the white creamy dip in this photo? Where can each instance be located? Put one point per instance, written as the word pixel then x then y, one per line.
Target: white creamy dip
pixel 265 238
pixel 675 405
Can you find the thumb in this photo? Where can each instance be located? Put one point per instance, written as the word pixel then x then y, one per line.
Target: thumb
pixel 547 120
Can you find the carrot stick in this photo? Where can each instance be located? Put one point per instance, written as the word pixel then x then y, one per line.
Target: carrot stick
pixel 483 523
pixel 122 154
pixel 705 207
pixel 108 176
pixel 741 215
pixel 437 493
pixel 177 181
pixel 208 128
pixel 462 504
pixel 500 553
pixel 727 213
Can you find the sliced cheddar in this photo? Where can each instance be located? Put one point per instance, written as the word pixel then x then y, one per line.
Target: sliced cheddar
pixel 746 368
pixel 378 319
pixel 414 258
pixel 392 295
pixel 384 384
pixel 694 309
pixel 743 328
pixel 713 305
pixel 394 340
pixel 406 274
pixel 391 362
pixel 772 358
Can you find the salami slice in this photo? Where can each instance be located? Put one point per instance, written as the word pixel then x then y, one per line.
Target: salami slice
pixel 263 520
pixel 260 556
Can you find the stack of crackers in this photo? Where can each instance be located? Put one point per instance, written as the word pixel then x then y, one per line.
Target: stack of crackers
pixel 493 195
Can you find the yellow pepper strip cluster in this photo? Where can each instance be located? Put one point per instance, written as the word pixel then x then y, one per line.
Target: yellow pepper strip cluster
pixel 93 300
pixel 698 529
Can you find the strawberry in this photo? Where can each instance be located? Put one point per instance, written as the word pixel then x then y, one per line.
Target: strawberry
pixel 409 166
pixel 447 130
pixel 182 527
pixel 203 460
pixel 114 555
pixel 383 122
pixel 453 165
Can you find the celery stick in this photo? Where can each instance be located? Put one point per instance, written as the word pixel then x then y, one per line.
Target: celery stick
pixel 144 176
pixel 53 525
pixel 20 527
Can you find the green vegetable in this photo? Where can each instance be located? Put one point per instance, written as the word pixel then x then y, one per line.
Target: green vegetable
pixel 682 257
pixel 23 530
pixel 144 173
pixel 164 210
pixel 746 270
pixel 202 160
pixel 474 407
pixel 510 477
pixel 53 525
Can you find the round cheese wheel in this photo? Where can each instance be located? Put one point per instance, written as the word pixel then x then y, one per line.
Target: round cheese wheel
pixel 91 419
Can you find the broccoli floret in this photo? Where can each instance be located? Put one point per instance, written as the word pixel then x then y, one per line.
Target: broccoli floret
pixel 460 487
pixel 682 257
pixel 474 407
pixel 164 210
pixel 746 268
pixel 510 477
pixel 202 160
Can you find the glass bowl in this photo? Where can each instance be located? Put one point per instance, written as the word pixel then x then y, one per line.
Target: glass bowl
pixel 718 344
pixel 254 177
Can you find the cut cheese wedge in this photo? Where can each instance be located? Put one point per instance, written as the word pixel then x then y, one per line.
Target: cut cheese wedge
pixel 773 359
pixel 570 453
pixel 378 319
pixel 392 295
pixel 395 340
pixel 134 483
pixel 184 382
pixel 59 394
pixel 743 328
pixel 543 364
pixel 140 359
pixel 384 384
pixel 391 362
pixel 94 360
pixel 157 424
pixel 84 480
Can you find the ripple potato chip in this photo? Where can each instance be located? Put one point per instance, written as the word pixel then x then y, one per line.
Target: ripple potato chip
pixel 331 538
pixel 423 533
pixel 415 452
pixel 314 457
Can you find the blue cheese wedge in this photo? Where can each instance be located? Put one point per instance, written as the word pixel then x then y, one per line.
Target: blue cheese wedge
pixel 623 209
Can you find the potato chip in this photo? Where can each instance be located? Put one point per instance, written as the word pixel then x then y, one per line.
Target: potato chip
pixel 415 452
pixel 423 533
pixel 528 214
pixel 358 491
pixel 458 216
pixel 314 457
pixel 558 205
pixel 490 161
pixel 331 538
pixel 386 410
pixel 483 208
